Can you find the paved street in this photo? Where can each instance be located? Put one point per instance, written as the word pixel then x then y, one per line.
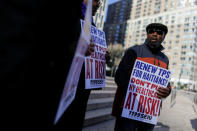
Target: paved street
pixel 178 114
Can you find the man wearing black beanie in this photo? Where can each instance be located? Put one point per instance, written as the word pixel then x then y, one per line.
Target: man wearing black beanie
pixel 149 52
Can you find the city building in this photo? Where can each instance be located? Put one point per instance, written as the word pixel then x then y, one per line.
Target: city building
pixel 99 16
pixel 181 41
pixel 115 25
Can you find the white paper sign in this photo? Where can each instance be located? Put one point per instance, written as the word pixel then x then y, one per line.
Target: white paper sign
pixel 95 65
pixel 70 86
pixel 141 102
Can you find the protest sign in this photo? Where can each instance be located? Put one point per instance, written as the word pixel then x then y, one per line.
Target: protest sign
pixel 141 102
pixel 95 64
pixel 71 83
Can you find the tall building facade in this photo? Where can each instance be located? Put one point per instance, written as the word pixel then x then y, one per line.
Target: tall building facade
pixel 115 25
pixel 180 16
pixel 99 16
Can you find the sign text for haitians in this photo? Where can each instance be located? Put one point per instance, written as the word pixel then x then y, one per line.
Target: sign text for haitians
pixel 141 101
pixel 95 64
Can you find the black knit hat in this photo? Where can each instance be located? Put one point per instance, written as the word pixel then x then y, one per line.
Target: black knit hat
pixel 157 26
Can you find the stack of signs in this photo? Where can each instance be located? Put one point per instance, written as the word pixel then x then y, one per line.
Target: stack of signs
pixel 95 64
pixel 141 101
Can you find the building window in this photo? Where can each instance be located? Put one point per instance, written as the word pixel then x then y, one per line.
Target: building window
pixel 182 58
pixel 174 63
pixel 186 30
pixel 183 53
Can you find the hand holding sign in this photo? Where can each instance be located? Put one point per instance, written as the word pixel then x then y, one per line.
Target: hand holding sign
pixel 147 83
pixel 90 49
pixel 107 56
pixel 95 60
pixel 163 92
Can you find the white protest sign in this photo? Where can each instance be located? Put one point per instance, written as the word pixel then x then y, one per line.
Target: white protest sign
pixel 95 64
pixel 141 102
pixel 70 86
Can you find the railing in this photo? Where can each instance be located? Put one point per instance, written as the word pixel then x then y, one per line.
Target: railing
pixel 195 99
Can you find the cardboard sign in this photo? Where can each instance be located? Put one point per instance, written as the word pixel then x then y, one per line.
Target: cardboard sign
pixel 95 64
pixel 141 102
pixel 71 83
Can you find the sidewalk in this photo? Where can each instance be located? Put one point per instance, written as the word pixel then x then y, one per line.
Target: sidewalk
pixel 178 115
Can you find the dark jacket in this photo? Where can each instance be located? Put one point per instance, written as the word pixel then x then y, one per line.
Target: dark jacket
pixel 36 50
pixel 141 52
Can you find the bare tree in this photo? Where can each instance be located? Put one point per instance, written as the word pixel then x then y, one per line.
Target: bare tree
pixel 116 51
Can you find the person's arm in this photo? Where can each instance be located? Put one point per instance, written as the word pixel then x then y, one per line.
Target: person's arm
pixel 90 49
pixel 164 92
pixel 123 72
pixel 107 56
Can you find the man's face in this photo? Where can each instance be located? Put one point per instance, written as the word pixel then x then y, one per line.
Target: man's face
pixel 155 35
pixel 95 5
